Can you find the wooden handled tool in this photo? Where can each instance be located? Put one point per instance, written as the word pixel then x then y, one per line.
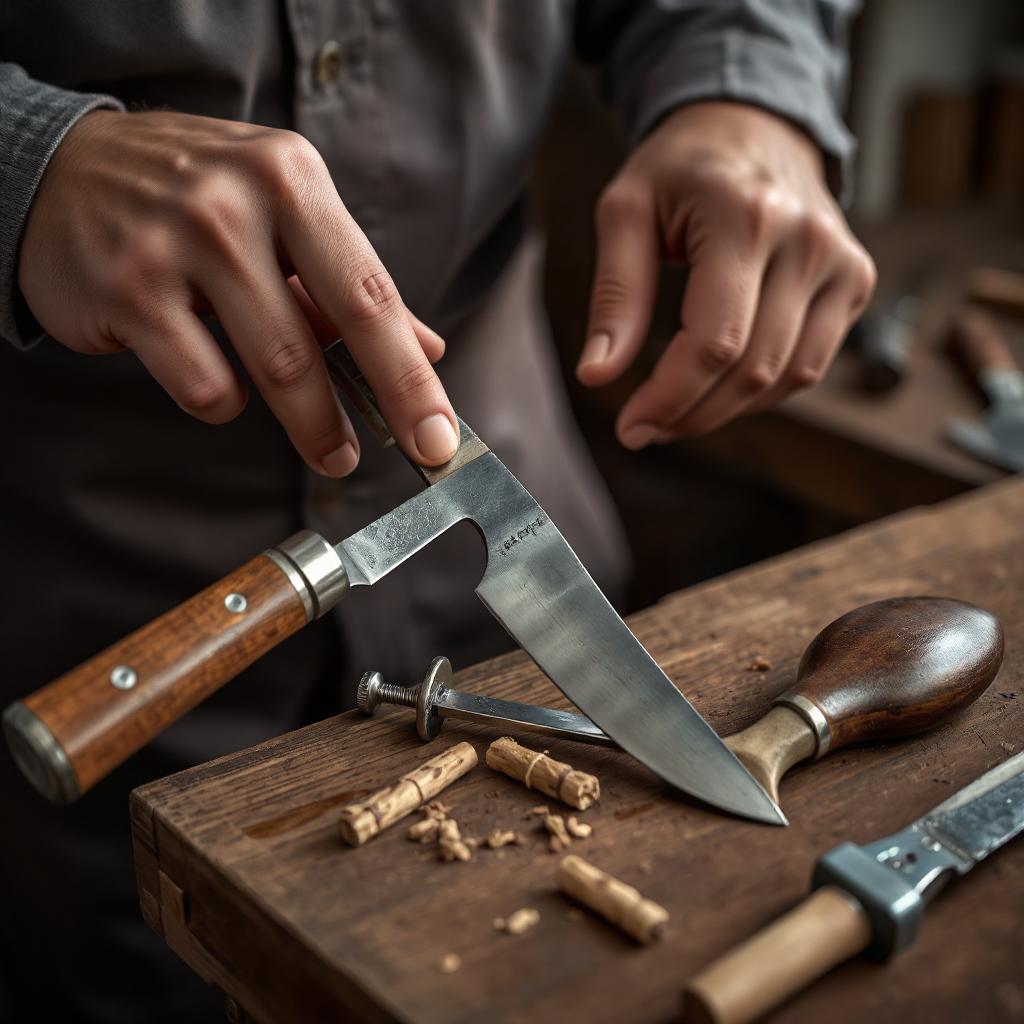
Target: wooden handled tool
pixel 977 339
pixel 69 735
pixel 887 669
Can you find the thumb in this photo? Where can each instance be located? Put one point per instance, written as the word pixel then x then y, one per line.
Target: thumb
pixel 625 283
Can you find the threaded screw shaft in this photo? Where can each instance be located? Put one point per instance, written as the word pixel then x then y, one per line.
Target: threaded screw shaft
pixel 405 696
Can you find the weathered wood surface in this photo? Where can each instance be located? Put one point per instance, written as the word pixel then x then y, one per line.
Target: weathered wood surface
pixel 242 869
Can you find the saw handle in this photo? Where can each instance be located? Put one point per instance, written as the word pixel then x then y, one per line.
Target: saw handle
pixel 979 342
pixel 895 668
pixel 72 733
pixel 828 928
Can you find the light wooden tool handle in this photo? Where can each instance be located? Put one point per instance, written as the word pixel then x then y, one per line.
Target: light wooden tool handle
pixel 826 929
pixel 895 668
pixel 69 735
pixel 977 339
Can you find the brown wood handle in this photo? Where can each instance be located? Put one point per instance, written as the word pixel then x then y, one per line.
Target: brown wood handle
pixel 164 670
pixel 977 339
pixel 826 929
pixel 897 667
pixel 998 289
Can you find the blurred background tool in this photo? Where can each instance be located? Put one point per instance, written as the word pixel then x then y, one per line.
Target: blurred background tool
pixel 998 437
pixel 882 338
pixel 998 289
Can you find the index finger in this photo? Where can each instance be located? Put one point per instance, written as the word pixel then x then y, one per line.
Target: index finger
pixel 349 283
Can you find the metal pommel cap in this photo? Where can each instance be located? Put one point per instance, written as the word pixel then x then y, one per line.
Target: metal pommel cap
pixel 40 757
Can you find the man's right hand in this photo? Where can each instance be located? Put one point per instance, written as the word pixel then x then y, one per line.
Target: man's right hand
pixel 144 221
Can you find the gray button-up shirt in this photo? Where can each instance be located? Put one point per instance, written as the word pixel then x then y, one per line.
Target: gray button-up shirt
pixel 426 111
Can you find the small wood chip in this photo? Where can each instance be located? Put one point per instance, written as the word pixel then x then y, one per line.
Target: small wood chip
pixel 504 837
pixel 450 846
pixel 560 839
pixel 540 809
pixel 578 829
pixel 759 664
pixel 450 963
pixel 424 831
pixel 517 923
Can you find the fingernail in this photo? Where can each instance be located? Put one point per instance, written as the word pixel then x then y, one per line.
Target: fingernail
pixel 341 461
pixel 595 351
pixel 639 435
pixel 435 438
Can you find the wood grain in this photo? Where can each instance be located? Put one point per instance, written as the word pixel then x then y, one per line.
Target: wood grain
pixel 301 927
pixel 179 660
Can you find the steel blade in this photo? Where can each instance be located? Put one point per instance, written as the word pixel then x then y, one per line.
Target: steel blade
pixel 983 816
pixel 993 446
pixel 537 588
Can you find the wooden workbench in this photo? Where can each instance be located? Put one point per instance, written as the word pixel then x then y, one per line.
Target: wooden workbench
pixel 241 869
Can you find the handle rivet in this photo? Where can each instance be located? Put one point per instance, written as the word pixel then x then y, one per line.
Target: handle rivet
pixel 123 677
pixel 236 603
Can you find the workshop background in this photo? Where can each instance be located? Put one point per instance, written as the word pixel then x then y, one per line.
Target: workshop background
pixel 937 103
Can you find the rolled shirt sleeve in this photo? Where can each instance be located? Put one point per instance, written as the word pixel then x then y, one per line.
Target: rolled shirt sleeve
pixel 34 117
pixel 787 56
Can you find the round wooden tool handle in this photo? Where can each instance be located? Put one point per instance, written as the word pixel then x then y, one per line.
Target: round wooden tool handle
pixel 977 339
pixel 895 668
pixel 69 735
pixel 826 929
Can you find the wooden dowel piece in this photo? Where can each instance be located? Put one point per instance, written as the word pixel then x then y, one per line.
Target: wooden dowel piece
pixel 826 929
pixel 363 820
pixel 621 904
pixel 538 771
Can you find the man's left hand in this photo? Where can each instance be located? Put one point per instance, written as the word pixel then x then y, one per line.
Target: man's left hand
pixel 775 275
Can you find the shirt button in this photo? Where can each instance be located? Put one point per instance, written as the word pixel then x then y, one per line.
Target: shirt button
pixel 328 63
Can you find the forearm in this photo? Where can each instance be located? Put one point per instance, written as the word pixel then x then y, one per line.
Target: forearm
pixel 34 117
pixel 788 56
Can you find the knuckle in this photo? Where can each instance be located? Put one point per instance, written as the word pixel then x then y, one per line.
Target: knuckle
pixel 609 296
pixel 289 364
pixel 283 159
pixel 415 380
pixel 817 234
pixel 762 206
pixel 805 375
pixel 618 205
pixel 208 398
pixel 723 350
pixel 373 297
pixel 215 207
pixel 763 374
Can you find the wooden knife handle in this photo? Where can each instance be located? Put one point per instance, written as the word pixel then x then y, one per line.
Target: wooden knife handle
pixel 997 288
pixel 830 926
pixel 979 342
pixel 69 735
pixel 895 668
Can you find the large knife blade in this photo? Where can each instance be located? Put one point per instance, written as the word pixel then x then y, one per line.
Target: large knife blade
pixel 868 899
pixel 71 733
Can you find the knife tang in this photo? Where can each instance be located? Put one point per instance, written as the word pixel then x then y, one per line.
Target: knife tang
pixel 72 733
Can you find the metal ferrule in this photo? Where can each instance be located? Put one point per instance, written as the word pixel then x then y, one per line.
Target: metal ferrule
pixel 314 569
pixel 813 716
pixel 40 757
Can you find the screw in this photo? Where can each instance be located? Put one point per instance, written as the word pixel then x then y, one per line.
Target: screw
pixel 236 603
pixel 123 677
pixel 373 691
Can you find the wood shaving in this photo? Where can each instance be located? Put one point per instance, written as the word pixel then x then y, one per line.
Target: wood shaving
pixel 505 837
pixel 759 664
pixel 450 963
pixel 540 810
pixel 560 839
pixel 535 770
pixel 578 829
pixel 450 845
pixel 517 923
pixel 424 831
